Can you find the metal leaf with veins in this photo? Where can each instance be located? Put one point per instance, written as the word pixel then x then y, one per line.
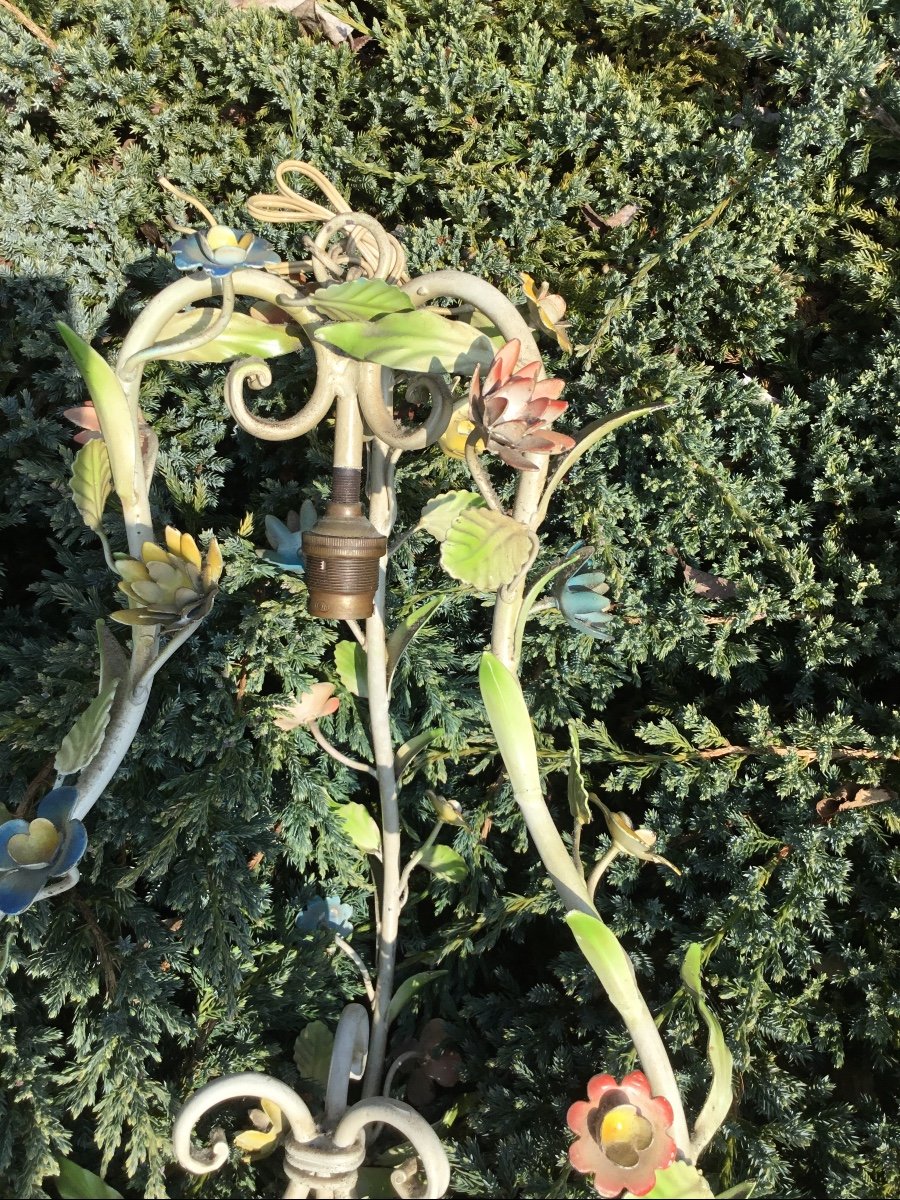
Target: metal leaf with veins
pixel 486 549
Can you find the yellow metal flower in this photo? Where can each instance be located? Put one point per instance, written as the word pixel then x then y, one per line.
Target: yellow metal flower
pixel 546 310
pixel 453 440
pixel 170 587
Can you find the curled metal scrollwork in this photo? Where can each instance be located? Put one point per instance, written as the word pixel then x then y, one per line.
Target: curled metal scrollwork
pixel 322 1157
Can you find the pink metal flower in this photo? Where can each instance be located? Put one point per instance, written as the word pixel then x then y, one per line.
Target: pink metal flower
pixel 513 409
pixel 623 1134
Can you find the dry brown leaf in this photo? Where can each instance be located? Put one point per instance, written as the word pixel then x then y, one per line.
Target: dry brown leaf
pixel 713 587
pixel 849 796
pixel 617 220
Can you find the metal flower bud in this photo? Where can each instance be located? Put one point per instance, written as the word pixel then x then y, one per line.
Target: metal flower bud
pixel 341 552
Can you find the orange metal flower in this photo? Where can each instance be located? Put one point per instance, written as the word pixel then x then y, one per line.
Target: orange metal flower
pixel 623 1134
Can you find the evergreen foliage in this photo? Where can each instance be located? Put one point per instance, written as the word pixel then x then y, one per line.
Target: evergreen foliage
pixel 756 289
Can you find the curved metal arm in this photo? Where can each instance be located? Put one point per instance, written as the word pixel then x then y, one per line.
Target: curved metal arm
pixel 400 1116
pixel 348 1059
pixel 128 367
pixel 374 388
pixel 234 1087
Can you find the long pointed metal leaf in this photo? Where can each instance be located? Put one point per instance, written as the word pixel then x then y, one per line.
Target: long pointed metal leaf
pixel 720 1096
pixel 116 422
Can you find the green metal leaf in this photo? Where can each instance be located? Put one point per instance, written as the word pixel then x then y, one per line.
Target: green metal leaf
pixel 440 513
pixel 589 437
pixel 78 1183
pixel 720 1097
pixel 117 423
pixel 511 722
pixel 360 300
pixel 412 341
pixel 739 1192
pixel 680 1181
pixel 351 664
pixel 486 549
pixel 407 630
pixel 445 863
pixel 374 1183
pixel 91 482
pixel 83 741
pixel 410 749
pixel 312 1053
pixel 359 826
pixel 242 337
pixel 611 964
pixel 409 989
pixel 113 663
pixel 579 805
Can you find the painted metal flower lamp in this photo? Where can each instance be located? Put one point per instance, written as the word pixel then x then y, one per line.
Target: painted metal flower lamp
pixel 375 334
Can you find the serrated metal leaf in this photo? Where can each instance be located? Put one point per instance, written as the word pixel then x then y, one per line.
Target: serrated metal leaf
pixel 91 482
pixel 83 741
pixel 486 549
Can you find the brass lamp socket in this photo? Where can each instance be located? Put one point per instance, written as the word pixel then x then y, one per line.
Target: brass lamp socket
pixel 341 554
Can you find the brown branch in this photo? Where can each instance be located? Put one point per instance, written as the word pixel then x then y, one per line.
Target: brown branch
pixel 44 775
pixel 843 752
pixel 34 30
pixel 101 942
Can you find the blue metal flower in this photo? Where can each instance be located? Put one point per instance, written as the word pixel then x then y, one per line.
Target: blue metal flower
pixel 582 600
pixel 31 852
pixel 327 913
pixel 285 538
pixel 220 250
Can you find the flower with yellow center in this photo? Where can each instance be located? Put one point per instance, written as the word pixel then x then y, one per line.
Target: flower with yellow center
pixel 623 1134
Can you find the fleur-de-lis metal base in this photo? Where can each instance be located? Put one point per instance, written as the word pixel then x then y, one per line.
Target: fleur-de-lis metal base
pixel 322 1155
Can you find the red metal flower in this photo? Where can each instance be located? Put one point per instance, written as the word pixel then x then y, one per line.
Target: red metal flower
pixel 513 410
pixel 623 1134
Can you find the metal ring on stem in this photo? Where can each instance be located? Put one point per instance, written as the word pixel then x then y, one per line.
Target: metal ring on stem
pixel 348 1059
pixel 235 1087
pixel 425 1142
pixel 375 385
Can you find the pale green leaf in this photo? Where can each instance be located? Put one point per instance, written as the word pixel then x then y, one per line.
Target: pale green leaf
pixel 91 482
pixel 412 341
pixel 445 863
pixel 350 663
pixel 117 423
pixel 589 437
pixel 407 630
pixel 579 805
pixel 242 337
pixel 440 513
pixel 359 826
pixel 410 988
pixel 720 1097
pixel 113 663
pixel 360 300
pixel 78 1183
pixel 410 749
pixel 739 1192
pixel 680 1181
pixel 486 549
pixel 312 1052
pixel 610 963
pixel 511 722
pixel 83 741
